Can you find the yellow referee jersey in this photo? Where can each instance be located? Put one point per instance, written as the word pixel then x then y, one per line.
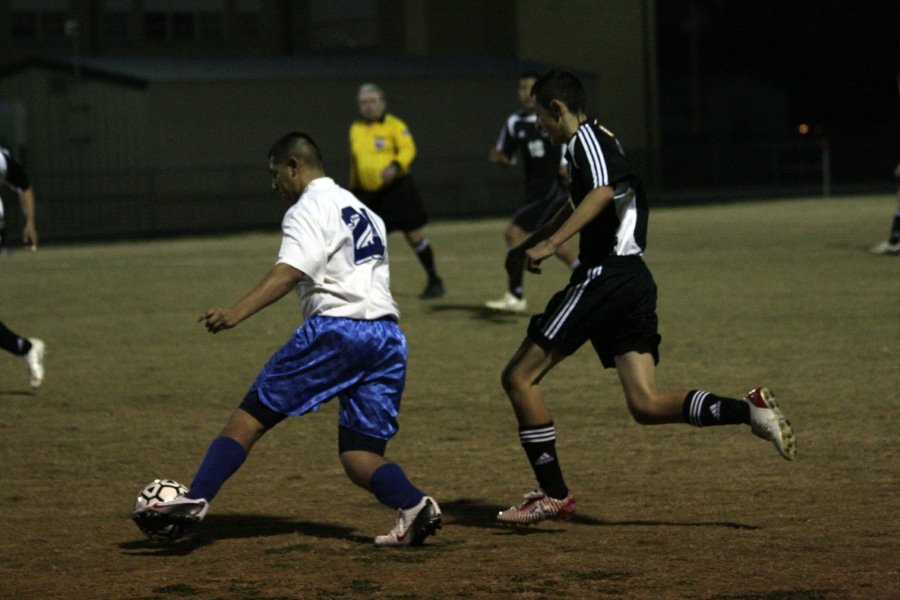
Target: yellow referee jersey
pixel 373 146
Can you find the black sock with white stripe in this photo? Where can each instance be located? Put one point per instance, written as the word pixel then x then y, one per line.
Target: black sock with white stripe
pixel 539 442
pixel 895 228
pixel 426 256
pixel 516 285
pixel 12 342
pixel 702 409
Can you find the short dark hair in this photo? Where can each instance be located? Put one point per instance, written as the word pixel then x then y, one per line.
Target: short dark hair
pixel 296 144
pixel 530 74
pixel 559 85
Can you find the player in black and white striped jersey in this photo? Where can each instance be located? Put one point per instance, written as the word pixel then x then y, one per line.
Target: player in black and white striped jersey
pixel 31 350
pixel 545 191
pixel 610 300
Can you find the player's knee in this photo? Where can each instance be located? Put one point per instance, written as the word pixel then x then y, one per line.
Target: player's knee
pixel 642 408
pixel 353 470
pixel 506 380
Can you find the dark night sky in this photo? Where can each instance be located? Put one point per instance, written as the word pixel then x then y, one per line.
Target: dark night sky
pixel 836 61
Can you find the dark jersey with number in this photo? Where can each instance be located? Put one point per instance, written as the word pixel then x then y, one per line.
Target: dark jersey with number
pixel 11 172
pixel 596 159
pixel 520 138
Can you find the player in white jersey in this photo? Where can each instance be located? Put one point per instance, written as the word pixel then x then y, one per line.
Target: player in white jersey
pixel 334 254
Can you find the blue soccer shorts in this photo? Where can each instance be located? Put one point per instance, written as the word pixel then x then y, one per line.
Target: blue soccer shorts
pixel 363 363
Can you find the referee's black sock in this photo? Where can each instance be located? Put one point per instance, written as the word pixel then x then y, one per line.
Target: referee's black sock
pixel 702 409
pixel 13 343
pixel 517 285
pixel 539 442
pixel 895 228
pixel 426 257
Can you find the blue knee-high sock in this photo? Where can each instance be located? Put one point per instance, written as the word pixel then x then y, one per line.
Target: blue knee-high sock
pixel 223 458
pixel 392 488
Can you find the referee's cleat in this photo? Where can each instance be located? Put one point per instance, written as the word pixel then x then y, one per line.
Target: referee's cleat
pixel 768 422
pixel 509 303
pixel 537 507
pixel 434 289
pixel 35 362
pixel 413 524
pixel 885 247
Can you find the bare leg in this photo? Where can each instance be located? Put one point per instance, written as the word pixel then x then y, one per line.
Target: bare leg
pixel 637 373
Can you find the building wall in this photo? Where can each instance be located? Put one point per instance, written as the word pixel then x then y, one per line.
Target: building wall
pixel 612 40
pixel 186 156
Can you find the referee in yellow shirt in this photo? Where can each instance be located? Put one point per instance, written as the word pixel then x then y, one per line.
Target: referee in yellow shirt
pixel 381 152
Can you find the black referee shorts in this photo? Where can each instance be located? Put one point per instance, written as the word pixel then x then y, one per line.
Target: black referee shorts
pixel 613 306
pixel 398 204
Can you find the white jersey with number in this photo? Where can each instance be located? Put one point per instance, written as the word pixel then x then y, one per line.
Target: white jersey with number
pixel 340 246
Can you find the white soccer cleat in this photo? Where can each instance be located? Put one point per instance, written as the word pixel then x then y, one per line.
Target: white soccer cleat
pixel 181 509
pixel 537 507
pixel 35 362
pixel 768 422
pixel 413 524
pixel 508 303
pixel 885 247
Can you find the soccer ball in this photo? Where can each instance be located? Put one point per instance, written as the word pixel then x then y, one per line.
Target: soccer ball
pixel 160 490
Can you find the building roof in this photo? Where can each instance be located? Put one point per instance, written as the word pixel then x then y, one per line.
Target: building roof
pixel 140 72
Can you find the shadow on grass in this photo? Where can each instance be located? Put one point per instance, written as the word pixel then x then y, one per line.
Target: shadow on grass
pixel 221 527
pixel 480 312
pixel 468 512
pixel 19 392
pixel 463 512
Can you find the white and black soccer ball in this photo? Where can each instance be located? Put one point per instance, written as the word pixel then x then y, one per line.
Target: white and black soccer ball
pixel 159 530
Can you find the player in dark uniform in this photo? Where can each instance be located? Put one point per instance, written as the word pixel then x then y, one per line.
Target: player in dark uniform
pixel 892 244
pixel 545 190
pixel 610 300
pixel 12 174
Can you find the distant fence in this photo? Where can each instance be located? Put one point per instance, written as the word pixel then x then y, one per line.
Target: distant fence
pixel 802 164
pixel 158 201
pixel 168 201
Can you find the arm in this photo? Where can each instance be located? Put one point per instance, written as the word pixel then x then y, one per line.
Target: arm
pixel 280 280
pixel 498 157
pixel 503 151
pixel 405 153
pixel 29 233
pixel 592 205
pixel 354 179
pixel 515 256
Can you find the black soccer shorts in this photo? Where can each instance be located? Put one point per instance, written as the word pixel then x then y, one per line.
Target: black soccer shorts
pixel 612 305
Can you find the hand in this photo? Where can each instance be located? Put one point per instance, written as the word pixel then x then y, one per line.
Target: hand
pixel 217 319
pixel 389 173
pixel 498 157
pixel 29 235
pixel 537 253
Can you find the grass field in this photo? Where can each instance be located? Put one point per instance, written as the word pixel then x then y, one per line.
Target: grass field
pixel 782 294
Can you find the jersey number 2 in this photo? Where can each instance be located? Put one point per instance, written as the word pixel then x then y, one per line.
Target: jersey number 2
pixel 367 244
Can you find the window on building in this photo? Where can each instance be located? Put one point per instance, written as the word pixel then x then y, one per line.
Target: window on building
pixel 248 19
pixel 183 20
pixel 156 26
pixel 182 26
pixel 38 20
pixel 344 24
pixel 116 21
